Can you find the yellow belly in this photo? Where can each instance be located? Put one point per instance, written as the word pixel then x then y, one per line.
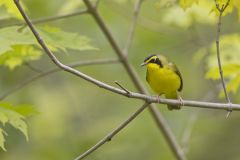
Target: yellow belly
pixel 162 80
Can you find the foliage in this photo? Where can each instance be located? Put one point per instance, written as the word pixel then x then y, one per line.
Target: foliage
pixel 69 6
pixel 230 59
pixel 17 45
pixel 18 55
pixel 60 40
pixel 185 18
pixel 68 107
pixel 185 4
pixel 229 44
pixel 230 49
pixel 15 116
pixel 11 8
pixel 188 11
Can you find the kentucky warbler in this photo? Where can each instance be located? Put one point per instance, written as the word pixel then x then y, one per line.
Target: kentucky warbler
pixel 163 77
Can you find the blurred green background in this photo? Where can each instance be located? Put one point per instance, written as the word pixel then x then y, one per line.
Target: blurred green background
pixel 74 114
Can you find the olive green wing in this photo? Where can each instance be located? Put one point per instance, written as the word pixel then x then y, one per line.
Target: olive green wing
pixel 163 59
pixel 147 76
pixel 176 70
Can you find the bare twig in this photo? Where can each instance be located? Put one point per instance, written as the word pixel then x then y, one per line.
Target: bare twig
pixel 133 26
pixel 126 90
pixel 221 10
pixel 159 119
pixel 49 19
pixel 149 99
pixel 188 131
pixel 109 136
pixel 223 7
pixel 53 70
pixel 193 118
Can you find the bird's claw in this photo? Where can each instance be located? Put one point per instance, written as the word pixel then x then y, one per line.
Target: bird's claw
pixel 181 101
pixel 158 99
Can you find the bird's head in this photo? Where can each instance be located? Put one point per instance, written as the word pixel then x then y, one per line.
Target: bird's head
pixel 152 59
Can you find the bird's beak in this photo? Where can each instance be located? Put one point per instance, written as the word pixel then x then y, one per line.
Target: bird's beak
pixel 143 64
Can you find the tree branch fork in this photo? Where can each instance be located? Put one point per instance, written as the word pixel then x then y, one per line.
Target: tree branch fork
pixel 122 91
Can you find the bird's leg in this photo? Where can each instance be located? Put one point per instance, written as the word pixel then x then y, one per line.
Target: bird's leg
pixel 158 98
pixel 180 100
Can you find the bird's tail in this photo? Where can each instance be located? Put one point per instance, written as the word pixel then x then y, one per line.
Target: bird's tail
pixel 173 95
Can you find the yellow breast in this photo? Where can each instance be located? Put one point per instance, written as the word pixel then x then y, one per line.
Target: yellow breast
pixel 162 80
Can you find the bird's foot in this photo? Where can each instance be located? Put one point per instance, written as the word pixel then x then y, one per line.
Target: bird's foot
pixel 180 100
pixel 158 99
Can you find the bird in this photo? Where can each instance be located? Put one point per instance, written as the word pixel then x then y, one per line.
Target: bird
pixel 164 78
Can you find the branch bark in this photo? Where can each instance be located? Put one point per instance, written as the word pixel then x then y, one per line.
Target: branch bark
pixel 48 19
pixel 159 119
pixel 54 70
pixel 144 97
pixel 132 29
pixel 221 10
pixel 109 136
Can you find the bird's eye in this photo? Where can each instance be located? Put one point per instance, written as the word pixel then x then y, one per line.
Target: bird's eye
pixel 152 60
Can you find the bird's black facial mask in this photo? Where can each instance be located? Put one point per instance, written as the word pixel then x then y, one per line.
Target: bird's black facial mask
pixel 155 60
pixel 149 57
pixel 152 59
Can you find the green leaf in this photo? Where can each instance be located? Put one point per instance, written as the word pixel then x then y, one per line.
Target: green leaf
pixel 233 85
pixel 70 5
pixel 17 122
pixel 236 4
pixel 198 12
pixel 26 110
pixel 58 39
pixel 187 3
pixel 2 139
pixel 18 55
pixel 54 37
pixel 11 8
pixel 13 36
pixel 229 70
pixel 19 45
pixel 229 53
pixel 15 116
pixel 229 48
pixel 229 8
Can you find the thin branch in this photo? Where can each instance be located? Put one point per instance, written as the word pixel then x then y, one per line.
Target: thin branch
pixel 49 19
pixel 123 88
pixel 146 98
pixel 54 70
pixel 221 10
pixel 159 119
pixel 113 89
pixel 133 26
pixel 188 131
pixel 193 118
pixel 109 136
